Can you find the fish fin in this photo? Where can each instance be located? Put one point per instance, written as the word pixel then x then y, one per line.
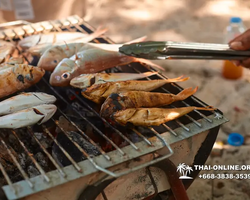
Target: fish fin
pixel 76 58
pixel 178 79
pixel 140 39
pixel 206 108
pixel 54 38
pixel 148 62
pixel 184 94
pixel 67 47
pixel 99 31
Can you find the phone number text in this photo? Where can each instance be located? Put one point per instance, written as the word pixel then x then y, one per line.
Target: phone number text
pixel 224 176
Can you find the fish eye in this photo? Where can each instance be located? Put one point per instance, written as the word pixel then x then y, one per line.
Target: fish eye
pixel 55 61
pixel 65 75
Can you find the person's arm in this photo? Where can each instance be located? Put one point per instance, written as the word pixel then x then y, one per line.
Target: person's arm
pixel 242 42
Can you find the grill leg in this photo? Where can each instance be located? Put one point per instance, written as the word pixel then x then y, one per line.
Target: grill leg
pixel 92 192
pixel 177 187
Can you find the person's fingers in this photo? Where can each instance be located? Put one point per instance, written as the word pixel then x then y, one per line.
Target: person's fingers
pixel 245 63
pixel 236 62
pixel 241 42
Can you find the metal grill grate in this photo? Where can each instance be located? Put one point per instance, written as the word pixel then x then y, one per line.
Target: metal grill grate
pixel 187 126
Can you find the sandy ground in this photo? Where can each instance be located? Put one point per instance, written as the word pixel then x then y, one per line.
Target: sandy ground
pixel 194 21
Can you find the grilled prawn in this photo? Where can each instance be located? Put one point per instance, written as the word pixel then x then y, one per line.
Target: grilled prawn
pixel 53 55
pixel 152 116
pixel 90 61
pixel 24 101
pixel 141 99
pixel 27 117
pixel 98 93
pixel 18 77
pixel 44 41
pixel 86 80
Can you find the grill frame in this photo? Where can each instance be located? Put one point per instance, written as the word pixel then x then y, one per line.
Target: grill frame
pixel 23 187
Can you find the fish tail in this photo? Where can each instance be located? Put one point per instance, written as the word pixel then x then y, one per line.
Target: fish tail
pixel 205 108
pixel 99 31
pixel 147 74
pixel 148 62
pixel 140 39
pixel 178 79
pixel 186 93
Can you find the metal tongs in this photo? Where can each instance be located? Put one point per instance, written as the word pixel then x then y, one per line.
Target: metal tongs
pixel 182 50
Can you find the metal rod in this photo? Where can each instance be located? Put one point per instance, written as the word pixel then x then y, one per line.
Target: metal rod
pixel 85 135
pixel 7 178
pixel 171 131
pixel 143 137
pixel 47 153
pixel 32 157
pixel 111 142
pixel 78 168
pixel 24 174
pixel 159 136
pixel 84 152
pixel 182 125
pixel 104 120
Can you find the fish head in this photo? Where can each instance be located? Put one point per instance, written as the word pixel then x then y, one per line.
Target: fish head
pixel 28 73
pixel 51 58
pixel 83 81
pixel 46 98
pixel 63 73
pixel 46 111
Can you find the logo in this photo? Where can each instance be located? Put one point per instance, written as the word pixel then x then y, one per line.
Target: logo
pixel 184 169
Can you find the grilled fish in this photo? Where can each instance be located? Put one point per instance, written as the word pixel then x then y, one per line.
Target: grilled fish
pixel 98 93
pixel 90 61
pixel 11 62
pixel 27 117
pixel 152 116
pixel 6 48
pixel 141 99
pixel 53 55
pixel 19 77
pixel 86 80
pixel 24 101
pixel 44 41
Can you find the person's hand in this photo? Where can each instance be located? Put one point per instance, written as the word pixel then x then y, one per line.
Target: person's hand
pixel 241 42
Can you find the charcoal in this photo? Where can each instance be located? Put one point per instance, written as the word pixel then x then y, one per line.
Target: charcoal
pixel 43 139
pixel 23 159
pixel 6 160
pixel 84 111
pixel 83 125
pixel 65 124
pixel 72 149
pixel 42 160
pixel 32 171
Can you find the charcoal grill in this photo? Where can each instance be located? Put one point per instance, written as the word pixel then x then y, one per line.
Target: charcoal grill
pixel 127 172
